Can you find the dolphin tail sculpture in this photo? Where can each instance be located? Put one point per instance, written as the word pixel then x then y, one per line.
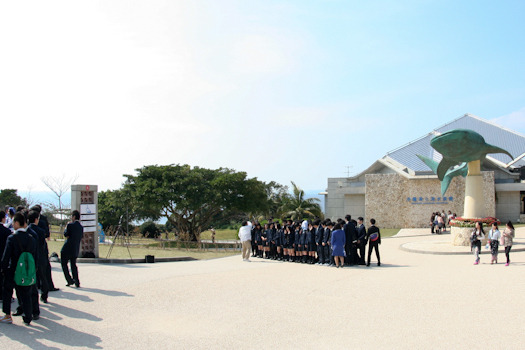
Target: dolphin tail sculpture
pixel 449 174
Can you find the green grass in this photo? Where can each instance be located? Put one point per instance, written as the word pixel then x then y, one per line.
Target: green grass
pixel 221 234
pixel 389 232
pixel 139 252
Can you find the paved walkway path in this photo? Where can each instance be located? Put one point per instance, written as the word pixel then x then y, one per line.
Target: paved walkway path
pixel 412 301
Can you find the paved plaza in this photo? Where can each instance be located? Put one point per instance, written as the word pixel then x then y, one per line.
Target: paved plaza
pixel 416 301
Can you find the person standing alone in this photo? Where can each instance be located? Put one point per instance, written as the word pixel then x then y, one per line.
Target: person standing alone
pixel 245 235
pixel 69 253
pixel 374 240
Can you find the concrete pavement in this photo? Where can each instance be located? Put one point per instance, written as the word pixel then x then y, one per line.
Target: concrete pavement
pixel 413 300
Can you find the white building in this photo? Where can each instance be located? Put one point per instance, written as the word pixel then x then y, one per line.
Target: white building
pixel 399 190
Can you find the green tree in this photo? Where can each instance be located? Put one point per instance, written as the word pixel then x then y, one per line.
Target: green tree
pixel 190 198
pixel 297 207
pixel 10 197
pixel 116 208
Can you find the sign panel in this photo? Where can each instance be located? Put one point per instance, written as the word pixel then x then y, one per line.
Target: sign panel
pixel 88 208
pixel 86 217
pixel 88 223
pixel 90 229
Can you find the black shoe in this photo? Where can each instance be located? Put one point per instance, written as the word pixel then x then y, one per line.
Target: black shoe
pixel 36 317
pixel 54 289
pixel 77 285
pixel 378 264
pixel 18 313
pixel 44 300
pixel 69 284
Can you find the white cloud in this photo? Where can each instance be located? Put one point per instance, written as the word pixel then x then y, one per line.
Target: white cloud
pixel 513 121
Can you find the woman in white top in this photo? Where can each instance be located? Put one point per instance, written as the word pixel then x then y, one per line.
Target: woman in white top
pixel 508 235
pixel 475 240
pixel 494 236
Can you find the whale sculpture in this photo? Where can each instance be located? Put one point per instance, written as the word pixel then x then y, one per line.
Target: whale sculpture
pixel 458 147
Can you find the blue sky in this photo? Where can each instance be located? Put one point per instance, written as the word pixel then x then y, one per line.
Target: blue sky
pixel 284 90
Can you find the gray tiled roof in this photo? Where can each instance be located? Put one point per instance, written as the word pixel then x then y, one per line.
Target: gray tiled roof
pixel 493 134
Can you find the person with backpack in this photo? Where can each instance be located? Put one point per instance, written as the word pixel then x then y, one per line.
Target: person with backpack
pixel 18 267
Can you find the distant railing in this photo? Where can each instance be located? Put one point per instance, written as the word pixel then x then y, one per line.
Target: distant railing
pixel 139 241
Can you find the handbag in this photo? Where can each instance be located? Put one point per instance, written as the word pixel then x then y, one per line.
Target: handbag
pixel 502 240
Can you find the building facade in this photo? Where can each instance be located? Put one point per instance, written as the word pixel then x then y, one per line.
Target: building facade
pixel 399 190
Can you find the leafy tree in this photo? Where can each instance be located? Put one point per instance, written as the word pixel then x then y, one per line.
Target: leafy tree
pixel 149 229
pixel 116 208
pixel 189 198
pixel 10 197
pixel 297 207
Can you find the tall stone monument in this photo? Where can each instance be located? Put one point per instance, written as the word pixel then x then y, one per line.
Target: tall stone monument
pixel 463 151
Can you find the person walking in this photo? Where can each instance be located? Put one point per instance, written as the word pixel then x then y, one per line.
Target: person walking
pixel 69 253
pixel 494 237
pixel 508 236
pixel 337 241
pixel 475 240
pixel 245 235
pixel 374 240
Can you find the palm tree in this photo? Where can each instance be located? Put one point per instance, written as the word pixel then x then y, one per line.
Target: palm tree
pixel 297 207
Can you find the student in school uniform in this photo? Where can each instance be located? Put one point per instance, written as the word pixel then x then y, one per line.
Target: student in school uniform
pixel 298 243
pixel 326 241
pixel 278 239
pixel 20 241
pixel 361 240
pixel 319 241
pixel 374 240
pixel 258 239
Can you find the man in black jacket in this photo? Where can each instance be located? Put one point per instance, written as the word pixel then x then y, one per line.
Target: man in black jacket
pixel 44 225
pixel 41 264
pixel 69 253
pixel 374 240
pixel 361 240
pixel 16 243
pixel 351 240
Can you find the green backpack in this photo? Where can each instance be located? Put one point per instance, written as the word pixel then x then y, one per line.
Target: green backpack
pixel 25 272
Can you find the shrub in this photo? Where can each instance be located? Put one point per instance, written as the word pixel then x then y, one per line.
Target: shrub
pixel 461 222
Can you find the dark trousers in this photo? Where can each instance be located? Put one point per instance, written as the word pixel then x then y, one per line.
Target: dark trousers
pixel 49 278
pixel 320 253
pixel 326 253
pixel 373 245
pixel 361 247
pixel 24 298
pixel 33 293
pixel 41 273
pixel 507 252
pixel 64 259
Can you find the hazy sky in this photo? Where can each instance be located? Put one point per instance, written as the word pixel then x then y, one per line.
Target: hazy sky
pixel 284 90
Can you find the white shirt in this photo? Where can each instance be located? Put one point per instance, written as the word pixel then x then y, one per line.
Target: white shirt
pixel 304 225
pixel 494 235
pixel 245 232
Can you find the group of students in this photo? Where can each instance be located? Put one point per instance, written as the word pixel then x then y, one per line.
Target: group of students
pixel 24 230
pixel 319 242
pixel 23 243
pixel 494 240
